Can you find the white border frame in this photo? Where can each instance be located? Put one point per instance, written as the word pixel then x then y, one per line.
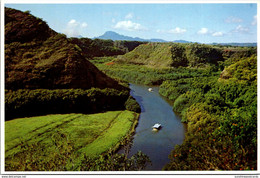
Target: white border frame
pixel 63 173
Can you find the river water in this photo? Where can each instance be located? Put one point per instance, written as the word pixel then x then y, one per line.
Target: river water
pixel 155 109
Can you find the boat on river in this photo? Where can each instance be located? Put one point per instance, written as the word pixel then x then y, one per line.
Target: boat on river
pixel 150 89
pixel 157 126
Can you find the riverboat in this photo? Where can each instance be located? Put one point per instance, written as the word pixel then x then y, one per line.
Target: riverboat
pixel 150 89
pixel 157 126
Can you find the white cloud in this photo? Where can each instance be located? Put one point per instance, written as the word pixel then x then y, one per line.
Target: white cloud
pixel 129 26
pixel 232 19
pixel 203 31
pixel 177 30
pixel 217 34
pixel 74 28
pixel 129 16
pixel 160 31
pixel 206 31
pixel 255 20
pixel 84 25
pixel 241 29
pixel 72 22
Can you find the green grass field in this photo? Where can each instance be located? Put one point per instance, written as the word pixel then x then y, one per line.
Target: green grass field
pixel 60 142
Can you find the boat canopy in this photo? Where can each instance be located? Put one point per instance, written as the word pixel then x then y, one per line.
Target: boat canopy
pixel 157 126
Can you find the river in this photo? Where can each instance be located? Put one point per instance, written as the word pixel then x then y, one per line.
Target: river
pixel 155 109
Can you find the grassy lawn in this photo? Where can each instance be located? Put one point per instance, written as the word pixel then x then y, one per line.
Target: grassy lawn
pixel 59 142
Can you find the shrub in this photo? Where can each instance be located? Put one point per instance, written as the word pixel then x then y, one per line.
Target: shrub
pixel 132 105
pixel 178 55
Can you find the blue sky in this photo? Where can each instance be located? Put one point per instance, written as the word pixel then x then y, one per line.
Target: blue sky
pixel 205 23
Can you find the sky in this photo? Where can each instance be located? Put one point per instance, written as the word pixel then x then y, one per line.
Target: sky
pixel 197 22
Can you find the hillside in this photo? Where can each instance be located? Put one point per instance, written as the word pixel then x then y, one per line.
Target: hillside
pixel 102 47
pixel 23 27
pixel 151 54
pixel 38 57
pixel 173 55
pixel 186 55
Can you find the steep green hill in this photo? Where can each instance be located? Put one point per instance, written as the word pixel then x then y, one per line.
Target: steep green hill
pixel 46 73
pixel 38 57
pixel 164 55
pixel 151 54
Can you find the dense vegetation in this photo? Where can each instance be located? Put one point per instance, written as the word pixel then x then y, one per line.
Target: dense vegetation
pixel 99 48
pixel 222 120
pixel 71 142
pixel 216 97
pixel 24 102
pixel 142 74
pixel 214 89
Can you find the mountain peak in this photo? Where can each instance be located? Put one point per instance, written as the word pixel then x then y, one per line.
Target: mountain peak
pixel 110 32
pixel 116 36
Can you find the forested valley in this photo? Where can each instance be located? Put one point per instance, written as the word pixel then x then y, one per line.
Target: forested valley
pixel 214 89
pixel 55 85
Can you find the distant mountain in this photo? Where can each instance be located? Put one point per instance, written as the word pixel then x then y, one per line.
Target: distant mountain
pixel 237 44
pixel 110 35
pixel 79 36
pixel 182 41
pixel 156 40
